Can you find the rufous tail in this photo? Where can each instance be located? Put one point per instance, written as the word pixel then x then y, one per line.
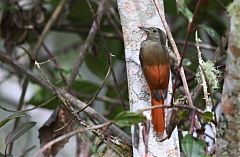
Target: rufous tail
pixel 158 119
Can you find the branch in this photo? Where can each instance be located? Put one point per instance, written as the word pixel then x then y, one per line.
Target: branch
pixel 201 45
pixel 203 77
pixel 182 73
pixel 125 107
pixel 101 98
pixel 169 106
pixel 66 96
pixel 180 58
pixel 46 29
pixel 35 52
pixel 68 135
pixel 26 80
pixel 84 48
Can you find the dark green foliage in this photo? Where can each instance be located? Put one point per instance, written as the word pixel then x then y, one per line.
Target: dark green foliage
pixel 127 118
pixel 42 96
pixel 84 86
pixel 207 116
pixel 193 147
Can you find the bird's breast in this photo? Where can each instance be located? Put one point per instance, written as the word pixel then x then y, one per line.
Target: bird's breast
pixel 153 53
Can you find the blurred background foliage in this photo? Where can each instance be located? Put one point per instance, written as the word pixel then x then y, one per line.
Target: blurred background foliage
pixel 18 18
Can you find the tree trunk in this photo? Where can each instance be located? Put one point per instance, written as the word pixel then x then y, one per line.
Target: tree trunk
pixel 134 13
pixel 229 142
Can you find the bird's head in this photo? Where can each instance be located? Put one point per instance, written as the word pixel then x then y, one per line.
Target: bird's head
pixel 155 34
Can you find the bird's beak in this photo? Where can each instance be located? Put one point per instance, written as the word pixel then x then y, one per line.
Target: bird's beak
pixel 144 29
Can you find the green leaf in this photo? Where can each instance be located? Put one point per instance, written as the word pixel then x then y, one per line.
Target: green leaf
pixel 16 115
pixel 181 115
pixel 118 108
pixel 62 70
pixel 170 7
pixel 207 116
pixel 40 97
pixel 211 32
pixel 2 155
pixel 84 86
pixel 182 8
pixel 18 132
pixel 75 18
pixel 97 63
pixel 193 147
pixel 128 118
pixel 97 60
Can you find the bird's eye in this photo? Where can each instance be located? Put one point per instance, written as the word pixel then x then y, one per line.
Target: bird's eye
pixel 154 31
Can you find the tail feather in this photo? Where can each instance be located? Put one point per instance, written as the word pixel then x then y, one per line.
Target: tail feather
pixel 158 117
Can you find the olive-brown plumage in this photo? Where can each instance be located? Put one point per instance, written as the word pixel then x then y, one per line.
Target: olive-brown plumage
pixel 154 58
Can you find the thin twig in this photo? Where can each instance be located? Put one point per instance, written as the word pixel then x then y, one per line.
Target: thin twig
pixel 84 31
pixel 115 81
pixel 196 92
pixel 19 107
pixel 84 48
pixel 110 63
pixel 74 102
pixel 169 106
pixel 48 26
pixel 115 15
pixel 92 11
pixel 205 84
pixel 68 135
pixel 174 46
pixel 5 109
pixel 30 109
pixel 189 30
pixel 110 140
pixel 61 51
pixel 35 52
pixel 119 32
pixel 180 58
pixel 201 45
pixel 101 98
pixel 89 103
pixel 221 4
pixel 57 65
pixel 103 83
pixel 66 101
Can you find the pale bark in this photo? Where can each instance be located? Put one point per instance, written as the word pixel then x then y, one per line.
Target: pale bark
pixel 229 142
pixel 134 13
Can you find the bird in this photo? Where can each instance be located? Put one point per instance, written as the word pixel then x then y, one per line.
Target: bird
pixel 155 64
